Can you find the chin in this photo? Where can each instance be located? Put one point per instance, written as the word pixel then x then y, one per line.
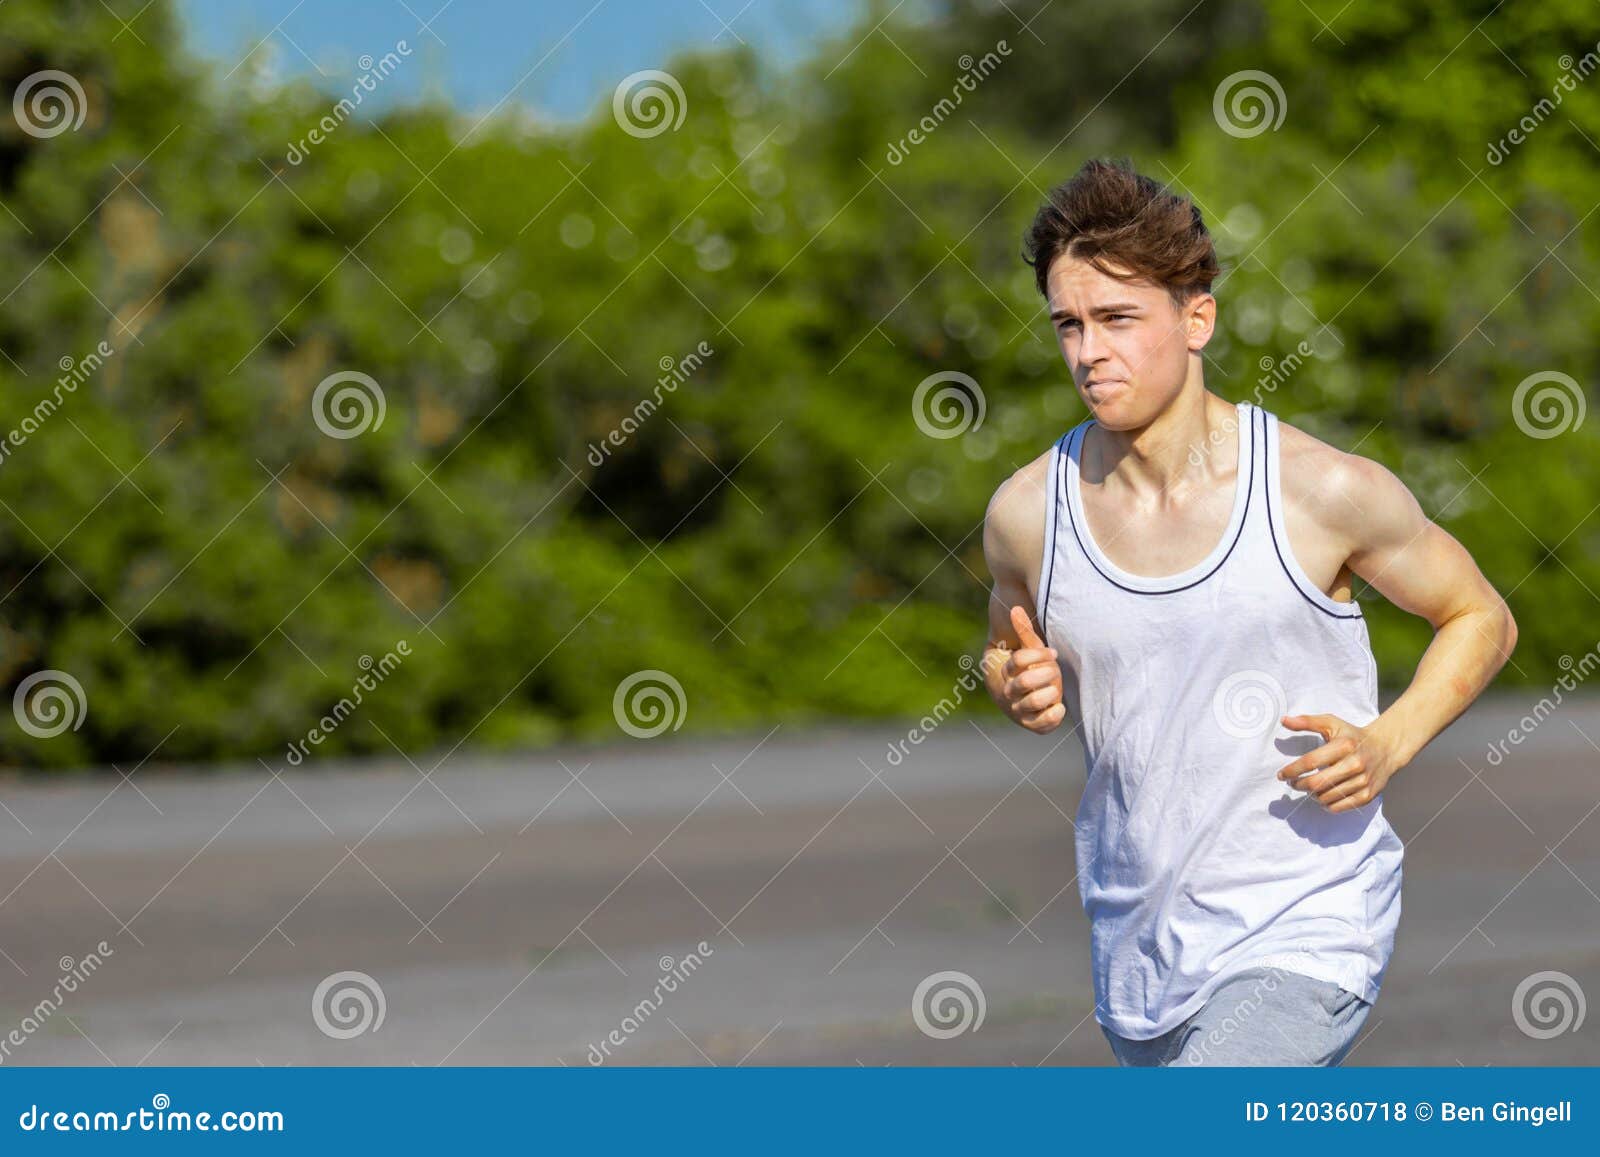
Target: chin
pixel 1116 411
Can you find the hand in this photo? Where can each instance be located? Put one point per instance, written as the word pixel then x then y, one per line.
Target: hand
pixel 1356 762
pixel 1031 689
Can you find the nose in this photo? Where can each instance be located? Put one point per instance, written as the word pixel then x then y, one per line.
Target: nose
pixel 1089 351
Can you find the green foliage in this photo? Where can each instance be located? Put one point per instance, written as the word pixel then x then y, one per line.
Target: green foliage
pixel 780 536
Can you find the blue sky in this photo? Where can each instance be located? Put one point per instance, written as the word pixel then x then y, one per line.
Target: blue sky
pixel 476 51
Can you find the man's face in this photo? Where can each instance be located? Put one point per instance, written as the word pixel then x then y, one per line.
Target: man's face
pixel 1127 345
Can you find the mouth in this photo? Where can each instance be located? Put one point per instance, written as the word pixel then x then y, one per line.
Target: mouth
pixel 1103 383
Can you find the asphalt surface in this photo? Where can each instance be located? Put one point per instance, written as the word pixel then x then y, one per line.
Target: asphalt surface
pixel 519 910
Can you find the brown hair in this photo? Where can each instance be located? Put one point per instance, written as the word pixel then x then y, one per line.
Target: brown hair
pixel 1110 214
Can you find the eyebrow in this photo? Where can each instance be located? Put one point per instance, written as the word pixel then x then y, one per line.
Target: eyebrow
pixel 1101 310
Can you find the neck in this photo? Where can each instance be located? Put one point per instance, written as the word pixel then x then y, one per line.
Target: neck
pixel 1186 447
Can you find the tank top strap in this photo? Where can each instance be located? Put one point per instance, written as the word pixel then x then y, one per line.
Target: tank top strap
pixel 1072 560
pixel 1258 520
pixel 1055 559
pixel 1258 550
pixel 1277 554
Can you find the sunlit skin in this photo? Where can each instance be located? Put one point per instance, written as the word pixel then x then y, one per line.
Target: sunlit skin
pixel 1131 337
pixel 1135 359
pixel 1132 351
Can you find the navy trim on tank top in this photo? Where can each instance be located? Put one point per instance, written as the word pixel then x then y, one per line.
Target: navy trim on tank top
pixel 1050 567
pixel 1289 574
pixel 1244 519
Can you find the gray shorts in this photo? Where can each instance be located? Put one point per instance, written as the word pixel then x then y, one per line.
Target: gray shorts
pixel 1258 1016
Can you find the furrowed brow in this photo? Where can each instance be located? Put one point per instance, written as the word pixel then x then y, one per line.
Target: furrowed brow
pixel 1099 310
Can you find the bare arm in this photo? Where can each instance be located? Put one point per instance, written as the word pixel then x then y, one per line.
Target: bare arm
pixel 1420 568
pixel 1020 672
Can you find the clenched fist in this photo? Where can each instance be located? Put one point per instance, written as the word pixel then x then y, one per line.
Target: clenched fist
pixel 1030 681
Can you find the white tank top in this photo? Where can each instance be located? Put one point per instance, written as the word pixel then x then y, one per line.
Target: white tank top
pixel 1194 859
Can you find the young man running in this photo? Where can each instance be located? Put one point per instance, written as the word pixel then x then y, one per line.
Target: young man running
pixel 1175 575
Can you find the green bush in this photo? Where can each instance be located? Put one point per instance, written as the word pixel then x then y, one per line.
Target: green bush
pixel 183 539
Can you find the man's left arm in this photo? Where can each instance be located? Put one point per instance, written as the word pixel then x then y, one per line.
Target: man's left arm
pixel 1421 568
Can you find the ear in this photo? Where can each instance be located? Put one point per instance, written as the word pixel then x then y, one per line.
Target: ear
pixel 1199 320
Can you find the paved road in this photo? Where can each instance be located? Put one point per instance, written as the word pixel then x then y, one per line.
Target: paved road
pixel 518 910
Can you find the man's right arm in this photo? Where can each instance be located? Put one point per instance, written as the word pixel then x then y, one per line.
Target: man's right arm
pixel 1021 674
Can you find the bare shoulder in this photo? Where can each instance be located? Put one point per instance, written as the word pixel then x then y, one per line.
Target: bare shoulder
pixel 1391 541
pixel 1342 492
pixel 1013 526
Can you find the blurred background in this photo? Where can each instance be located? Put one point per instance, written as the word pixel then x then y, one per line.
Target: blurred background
pixel 490 508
